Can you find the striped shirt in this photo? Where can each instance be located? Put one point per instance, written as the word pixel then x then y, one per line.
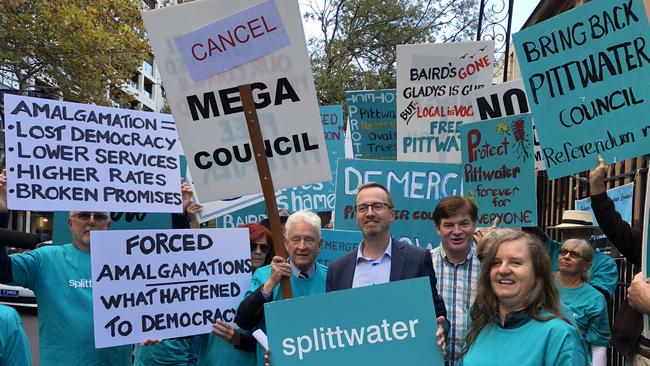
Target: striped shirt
pixel 457 286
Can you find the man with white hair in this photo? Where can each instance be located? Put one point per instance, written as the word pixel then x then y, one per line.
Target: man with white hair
pixel 303 243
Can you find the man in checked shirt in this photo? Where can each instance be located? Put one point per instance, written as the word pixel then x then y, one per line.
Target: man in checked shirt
pixel 456 266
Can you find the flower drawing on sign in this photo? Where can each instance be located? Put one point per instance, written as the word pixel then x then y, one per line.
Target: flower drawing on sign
pixel 472 197
pixel 503 128
pixel 521 142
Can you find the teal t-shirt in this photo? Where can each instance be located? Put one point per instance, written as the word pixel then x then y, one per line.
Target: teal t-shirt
pixel 177 352
pixel 299 287
pixel 536 343
pixel 61 279
pixel 588 309
pixel 217 352
pixel 602 274
pixel 14 346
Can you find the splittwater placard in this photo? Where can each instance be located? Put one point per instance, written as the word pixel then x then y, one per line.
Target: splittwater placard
pixel 499 170
pixel 388 331
pixel 161 284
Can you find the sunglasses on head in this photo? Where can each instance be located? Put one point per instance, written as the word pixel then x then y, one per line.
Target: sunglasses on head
pixel 264 247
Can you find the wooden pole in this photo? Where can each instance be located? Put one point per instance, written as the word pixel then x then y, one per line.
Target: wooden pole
pixel 257 143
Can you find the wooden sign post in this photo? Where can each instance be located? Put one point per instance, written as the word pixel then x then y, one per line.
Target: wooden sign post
pixel 266 180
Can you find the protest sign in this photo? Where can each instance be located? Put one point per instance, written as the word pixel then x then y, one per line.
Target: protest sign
pixel 507 99
pixel 373 123
pixel 499 170
pixel 585 73
pixel 68 156
pixel 119 221
pixel 162 284
pixel 316 197
pixel 389 331
pixel 435 83
pixel 337 243
pixel 416 189
pixel 209 113
pixel 622 197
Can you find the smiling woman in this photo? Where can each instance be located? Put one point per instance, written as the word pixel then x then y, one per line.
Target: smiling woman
pixel 516 318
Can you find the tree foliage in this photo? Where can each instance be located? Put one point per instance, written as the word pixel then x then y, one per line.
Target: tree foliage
pixel 83 49
pixel 355 48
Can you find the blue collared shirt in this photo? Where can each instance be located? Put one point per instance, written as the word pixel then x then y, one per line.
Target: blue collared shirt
pixel 370 271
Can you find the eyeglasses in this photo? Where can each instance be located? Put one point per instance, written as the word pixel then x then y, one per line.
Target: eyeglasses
pixel 571 253
pixel 309 240
pixel 264 247
pixel 86 216
pixel 376 207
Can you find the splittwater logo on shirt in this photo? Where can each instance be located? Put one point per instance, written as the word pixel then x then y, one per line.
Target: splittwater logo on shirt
pixel 82 283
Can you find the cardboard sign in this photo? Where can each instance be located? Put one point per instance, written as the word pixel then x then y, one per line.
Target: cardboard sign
pixel 316 197
pixel 373 123
pixel 416 189
pixel 337 243
pixel 435 84
pixel 378 327
pixel 65 156
pixel 507 99
pixel 209 113
pixel 119 221
pixel 232 41
pixel 622 197
pixel 161 284
pixel 586 76
pixel 499 170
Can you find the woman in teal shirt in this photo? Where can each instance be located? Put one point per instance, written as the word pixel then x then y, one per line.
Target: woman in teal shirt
pixel 581 302
pixel 516 318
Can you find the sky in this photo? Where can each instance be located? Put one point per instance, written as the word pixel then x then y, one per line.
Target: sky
pixel 521 8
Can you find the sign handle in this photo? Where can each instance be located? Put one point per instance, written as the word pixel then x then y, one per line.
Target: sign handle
pixel 257 142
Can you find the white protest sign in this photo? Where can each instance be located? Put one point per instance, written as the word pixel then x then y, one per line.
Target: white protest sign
pixel 68 156
pixel 209 113
pixel 507 99
pixel 161 284
pixel 435 83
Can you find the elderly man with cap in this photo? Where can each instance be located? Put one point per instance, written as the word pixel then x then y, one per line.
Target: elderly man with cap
pixel 303 243
pixel 60 276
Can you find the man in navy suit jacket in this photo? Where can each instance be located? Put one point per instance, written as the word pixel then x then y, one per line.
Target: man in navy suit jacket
pixel 381 258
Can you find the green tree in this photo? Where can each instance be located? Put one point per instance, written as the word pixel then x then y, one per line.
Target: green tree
pixel 85 50
pixel 355 49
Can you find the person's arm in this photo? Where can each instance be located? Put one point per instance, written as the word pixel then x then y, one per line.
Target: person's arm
pixel 18 239
pixel 626 239
pixel 15 344
pixel 183 220
pixel 247 343
pixel 6 275
pixel 251 309
pixel 638 294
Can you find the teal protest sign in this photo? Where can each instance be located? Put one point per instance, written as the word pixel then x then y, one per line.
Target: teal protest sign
pixel 316 197
pixel 373 125
pixel 336 243
pixel 119 221
pixel 622 197
pixel 586 77
pixel 416 189
pixel 499 170
pixel 377 327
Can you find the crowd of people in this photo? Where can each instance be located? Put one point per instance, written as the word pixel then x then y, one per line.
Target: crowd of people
pixel 502 296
